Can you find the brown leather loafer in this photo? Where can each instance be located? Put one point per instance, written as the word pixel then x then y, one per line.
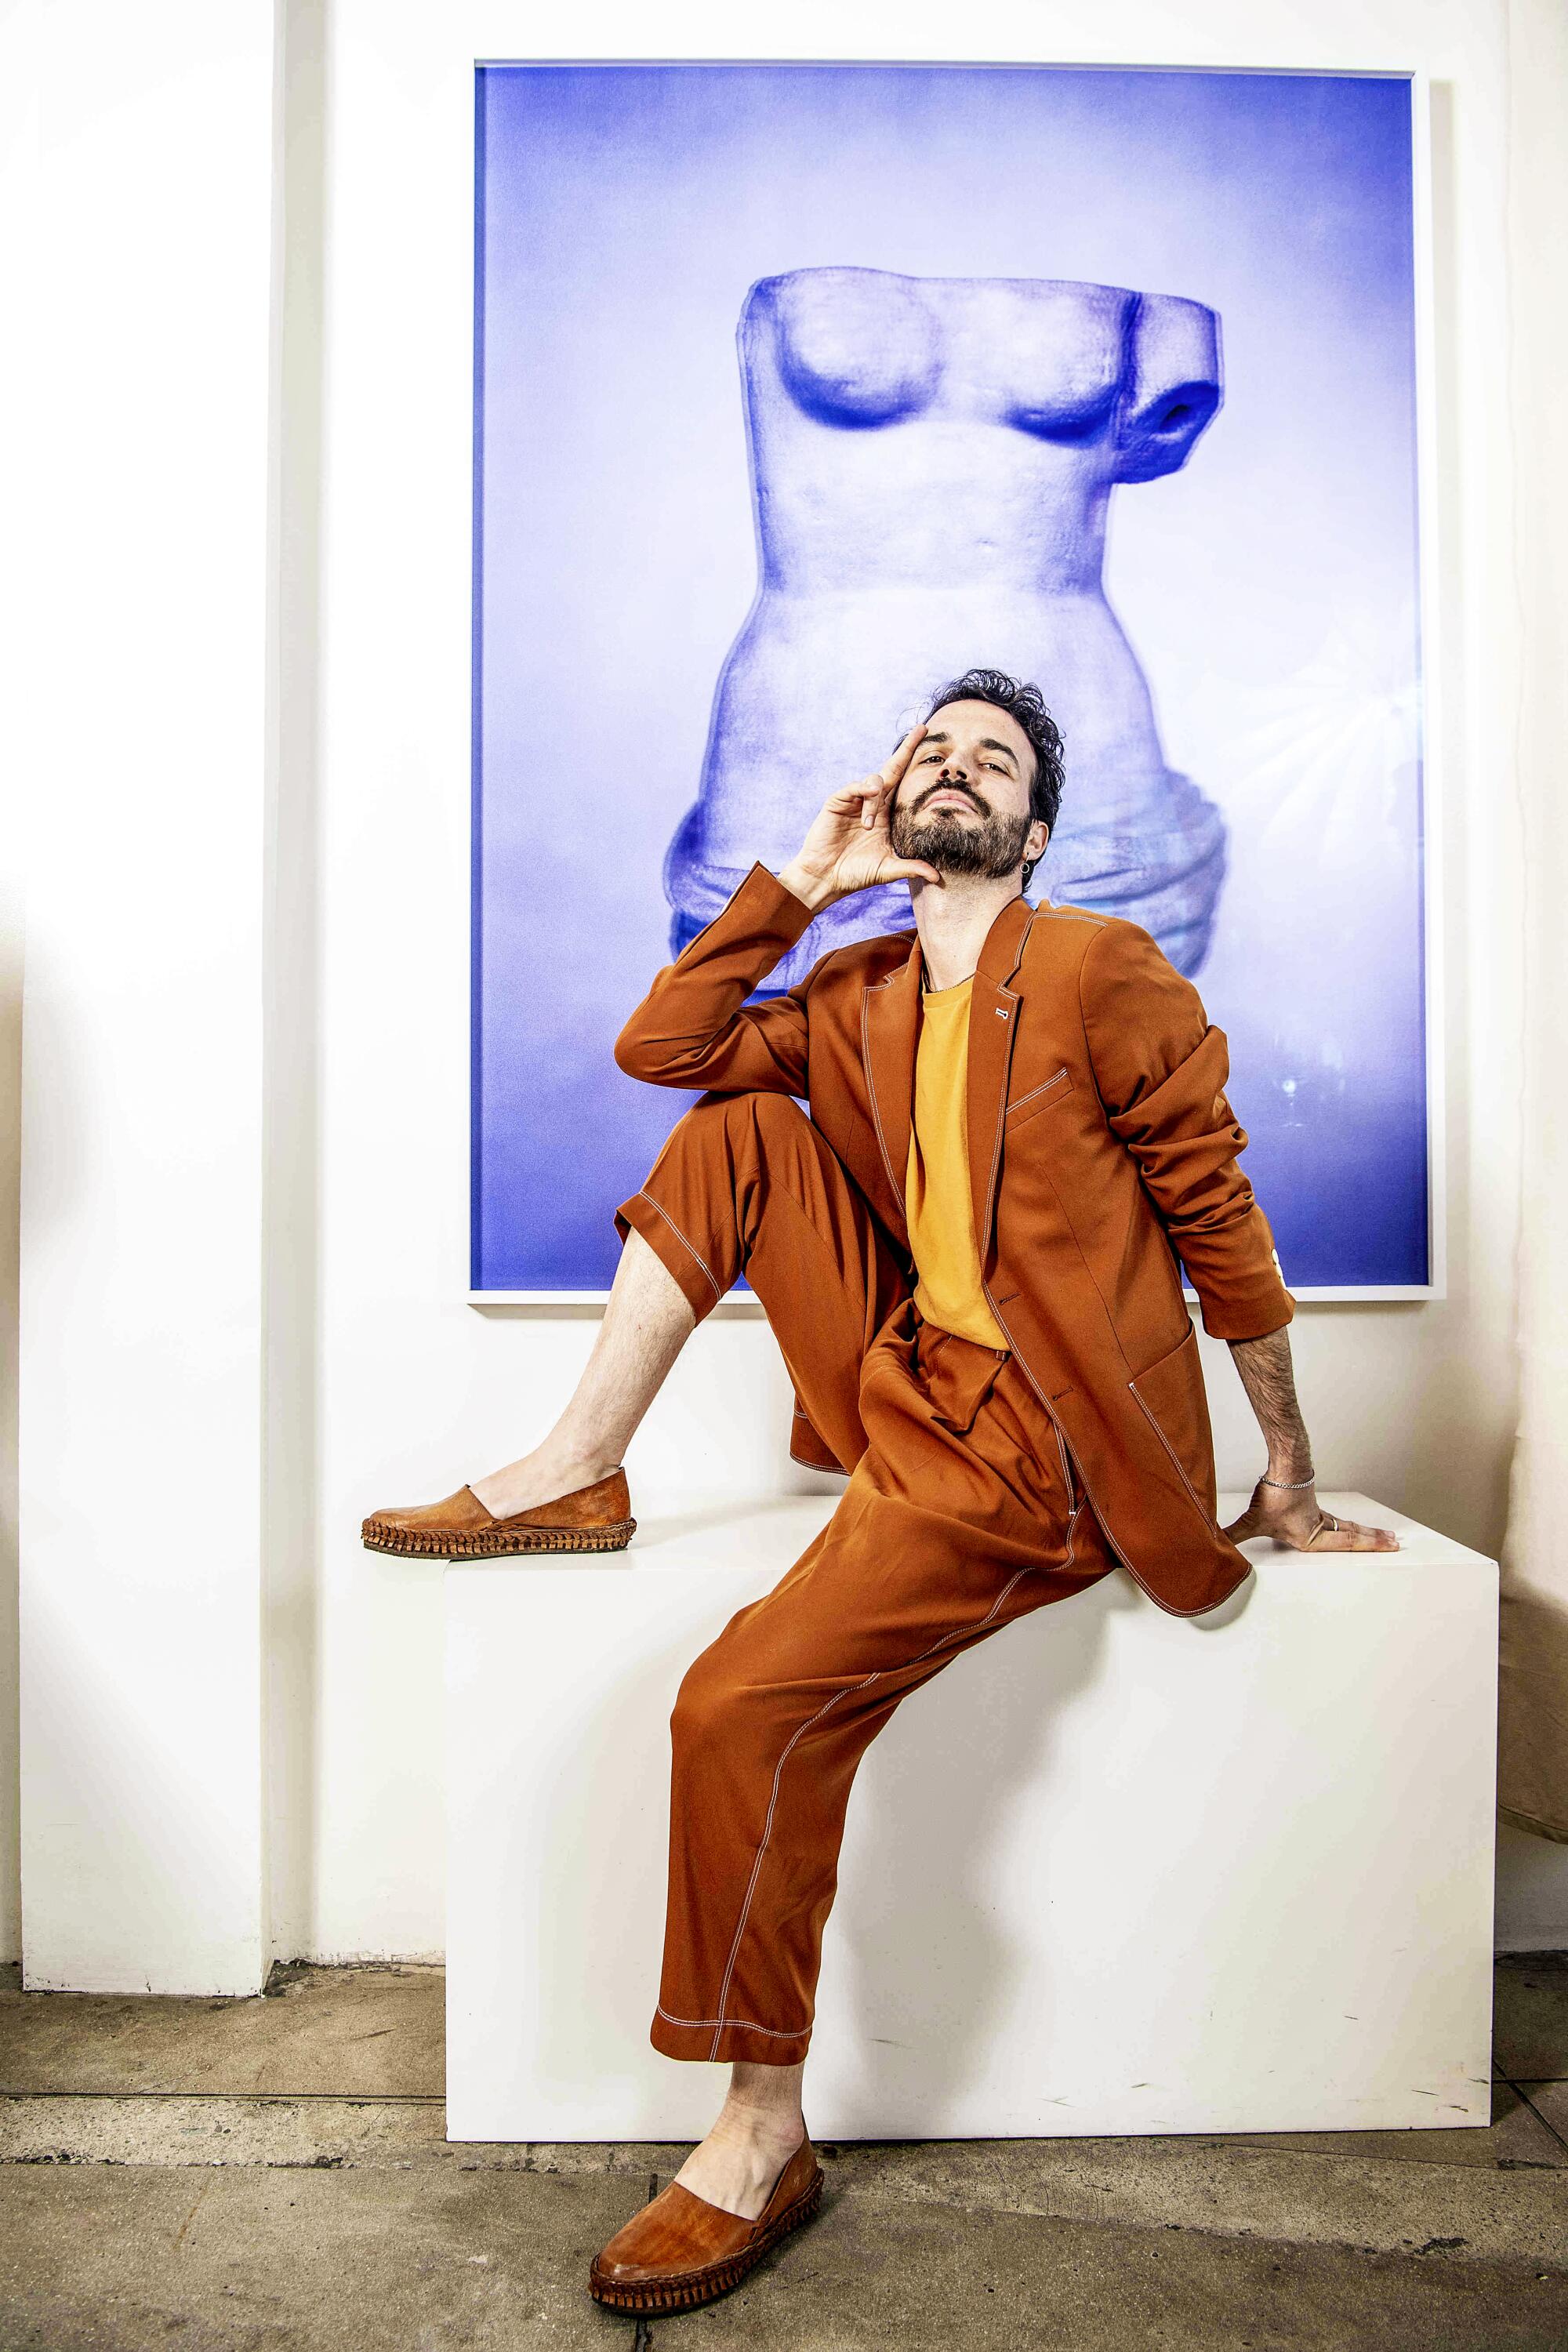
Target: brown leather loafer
pixel 680 2251
pixel 594 1518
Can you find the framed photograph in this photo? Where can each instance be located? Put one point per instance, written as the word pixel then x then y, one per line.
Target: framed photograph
pixel 799 389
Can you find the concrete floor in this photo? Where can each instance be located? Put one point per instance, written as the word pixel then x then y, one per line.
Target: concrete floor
pixel 270 2175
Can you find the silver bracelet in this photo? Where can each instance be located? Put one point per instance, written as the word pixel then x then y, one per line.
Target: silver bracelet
pixel 1291 1482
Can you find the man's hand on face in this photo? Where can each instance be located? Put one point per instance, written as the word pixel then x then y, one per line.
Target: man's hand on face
pixel 849 847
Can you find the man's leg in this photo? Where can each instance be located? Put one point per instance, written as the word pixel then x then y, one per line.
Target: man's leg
pixel 962 1516
pixel 744 1183
pixel 648 1321
pixel 753 2138
pixel 747 1184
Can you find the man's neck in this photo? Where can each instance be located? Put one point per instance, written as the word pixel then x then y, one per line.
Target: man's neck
pixel 952 918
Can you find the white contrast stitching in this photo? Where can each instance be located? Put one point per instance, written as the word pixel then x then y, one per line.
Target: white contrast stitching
pixel 741 2024
pixel 645 1195
pixel 1067 1469
pixel 798 1734
pixel 1209 1517
pixel 984 1239
pixel 1141 1580
pixel 1105 1525
pixel 849 1690
pixel 871 1090
pixel 1043 1089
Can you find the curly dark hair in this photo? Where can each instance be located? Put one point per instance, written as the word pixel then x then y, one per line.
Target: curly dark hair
pixel 1026 704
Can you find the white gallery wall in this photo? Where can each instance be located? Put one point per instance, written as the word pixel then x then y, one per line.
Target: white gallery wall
pixel 245 1233
pixel 141 736
pixel 19 151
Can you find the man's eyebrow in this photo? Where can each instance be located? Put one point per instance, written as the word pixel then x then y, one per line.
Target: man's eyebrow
pixel 987 742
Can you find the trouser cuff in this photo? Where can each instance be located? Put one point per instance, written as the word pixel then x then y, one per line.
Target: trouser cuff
pixel 678 1257
pixel 809 1447
pixel 724 2044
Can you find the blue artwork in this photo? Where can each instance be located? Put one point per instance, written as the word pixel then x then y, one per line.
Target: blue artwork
pixel 931 467
pixel 979 316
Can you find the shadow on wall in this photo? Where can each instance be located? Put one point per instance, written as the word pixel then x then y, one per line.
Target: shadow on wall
pixel 11 967
pixel 929 1982
pixel 912 1989
pixel 291 1535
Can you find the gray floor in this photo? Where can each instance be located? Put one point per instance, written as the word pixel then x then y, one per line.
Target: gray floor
pixel 271 2174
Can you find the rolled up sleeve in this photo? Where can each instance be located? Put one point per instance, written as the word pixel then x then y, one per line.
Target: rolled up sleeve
pixel 1160 1067
pixel 694 1027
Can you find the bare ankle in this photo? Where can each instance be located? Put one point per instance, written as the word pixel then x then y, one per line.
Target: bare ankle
pixel 759 2124
pixel 577 1469
pixel 541 1476
pixel 739 2163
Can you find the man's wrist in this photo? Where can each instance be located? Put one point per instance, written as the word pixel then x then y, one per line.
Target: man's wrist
pixel 812 890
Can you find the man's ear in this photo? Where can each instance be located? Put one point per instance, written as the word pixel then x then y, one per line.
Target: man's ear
pixel 1035 841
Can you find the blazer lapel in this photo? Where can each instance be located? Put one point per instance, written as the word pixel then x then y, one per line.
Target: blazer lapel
pixel 993 1020
pixel 889 1031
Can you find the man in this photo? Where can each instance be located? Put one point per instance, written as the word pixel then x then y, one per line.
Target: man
pixel 968 1253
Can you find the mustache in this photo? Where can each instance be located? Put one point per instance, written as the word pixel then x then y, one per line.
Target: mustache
pixel 972 797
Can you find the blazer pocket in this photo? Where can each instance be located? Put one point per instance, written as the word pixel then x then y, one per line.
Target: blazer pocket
pixel 1055 1089
pixel 1175 1399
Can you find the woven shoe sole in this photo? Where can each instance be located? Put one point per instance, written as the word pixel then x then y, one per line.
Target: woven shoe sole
pixel 685 2289
pixel 495 1543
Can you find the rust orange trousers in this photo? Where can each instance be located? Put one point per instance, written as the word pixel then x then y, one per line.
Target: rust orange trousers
pixel 960 1516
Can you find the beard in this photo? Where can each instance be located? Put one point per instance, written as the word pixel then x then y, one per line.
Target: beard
pixel 986 851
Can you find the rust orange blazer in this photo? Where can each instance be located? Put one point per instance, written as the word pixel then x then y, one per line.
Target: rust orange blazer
pixel 1102 1150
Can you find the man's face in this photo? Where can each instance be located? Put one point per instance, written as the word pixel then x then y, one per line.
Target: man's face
pixel 963 805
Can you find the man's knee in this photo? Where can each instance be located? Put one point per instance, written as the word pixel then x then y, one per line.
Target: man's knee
pixel 772 1116
pixel 736 1136
pixel 708 1720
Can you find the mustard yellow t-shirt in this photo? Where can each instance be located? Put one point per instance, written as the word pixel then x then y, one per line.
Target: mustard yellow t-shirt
pixel 940 1208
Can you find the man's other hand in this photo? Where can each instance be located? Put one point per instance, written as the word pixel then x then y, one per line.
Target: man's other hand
pixel 1294 1517
pixel 849 847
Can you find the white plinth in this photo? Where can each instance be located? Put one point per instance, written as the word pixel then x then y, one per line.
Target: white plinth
pixel 1112 1871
